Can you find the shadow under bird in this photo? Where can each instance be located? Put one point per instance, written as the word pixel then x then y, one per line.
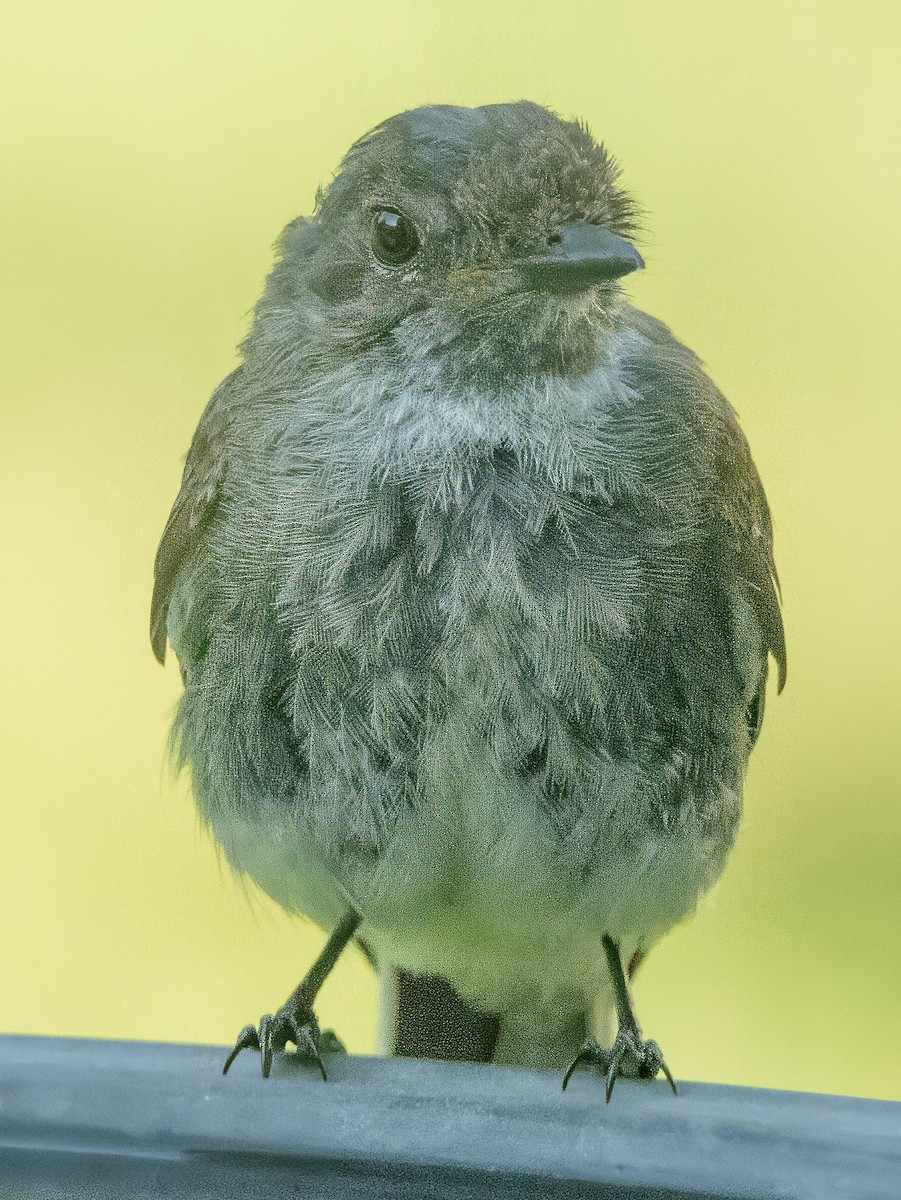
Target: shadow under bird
pixel 471 583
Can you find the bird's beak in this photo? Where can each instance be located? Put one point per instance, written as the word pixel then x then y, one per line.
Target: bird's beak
pixel 579 256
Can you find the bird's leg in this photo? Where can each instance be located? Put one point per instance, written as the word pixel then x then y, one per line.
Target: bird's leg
pixel 295 1021
pixel 630 1053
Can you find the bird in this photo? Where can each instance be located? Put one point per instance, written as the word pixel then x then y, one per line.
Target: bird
pixel 470 580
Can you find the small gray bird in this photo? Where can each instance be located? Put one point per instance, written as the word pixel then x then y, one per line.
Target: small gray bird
pixel 471 582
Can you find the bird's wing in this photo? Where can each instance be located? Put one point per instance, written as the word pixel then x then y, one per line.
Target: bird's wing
pixel 674 379
pixel 193 509
pixel 747 516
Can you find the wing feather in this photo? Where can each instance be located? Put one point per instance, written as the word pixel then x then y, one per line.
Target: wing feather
pixel 197 500
pixel 674 378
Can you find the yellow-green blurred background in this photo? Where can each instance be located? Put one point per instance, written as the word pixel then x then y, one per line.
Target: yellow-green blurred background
pixel 149 156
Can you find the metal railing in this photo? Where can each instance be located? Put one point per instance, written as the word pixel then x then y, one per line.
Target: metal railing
pixel 98 1120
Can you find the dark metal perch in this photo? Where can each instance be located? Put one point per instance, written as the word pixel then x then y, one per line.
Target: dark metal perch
pixel 139 1120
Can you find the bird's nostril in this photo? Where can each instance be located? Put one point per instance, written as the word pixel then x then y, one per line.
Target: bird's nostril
pixel 554 239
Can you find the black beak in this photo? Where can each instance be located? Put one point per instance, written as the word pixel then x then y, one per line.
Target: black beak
pixel 579 256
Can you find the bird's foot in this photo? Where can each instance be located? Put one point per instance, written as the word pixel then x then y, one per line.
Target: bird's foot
pixel 294 1022
pixel 630 1056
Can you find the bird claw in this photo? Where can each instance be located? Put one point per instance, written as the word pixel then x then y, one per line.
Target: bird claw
pixel 294 1022
pixel 630 1056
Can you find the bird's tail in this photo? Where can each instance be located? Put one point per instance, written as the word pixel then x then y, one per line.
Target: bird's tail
pixel 423 1016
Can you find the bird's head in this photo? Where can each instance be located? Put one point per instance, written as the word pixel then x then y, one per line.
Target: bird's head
pixel 482 244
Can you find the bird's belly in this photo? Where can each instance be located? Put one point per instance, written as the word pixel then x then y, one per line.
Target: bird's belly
pixel 513 812
pixel 483 877
pixel 476 883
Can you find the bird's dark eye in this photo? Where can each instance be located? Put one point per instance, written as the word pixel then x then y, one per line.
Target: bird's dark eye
pixel 394 238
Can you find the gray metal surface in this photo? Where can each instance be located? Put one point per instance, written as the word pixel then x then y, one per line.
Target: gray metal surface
pixel 100 1120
